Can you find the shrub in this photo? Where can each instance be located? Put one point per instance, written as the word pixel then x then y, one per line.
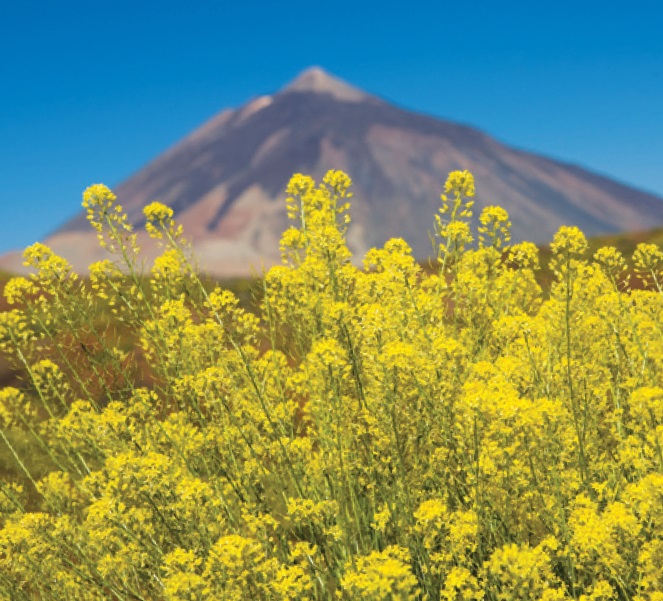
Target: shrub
pixel 379 433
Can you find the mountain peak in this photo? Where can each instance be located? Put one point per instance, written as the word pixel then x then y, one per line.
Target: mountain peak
pixel 318 81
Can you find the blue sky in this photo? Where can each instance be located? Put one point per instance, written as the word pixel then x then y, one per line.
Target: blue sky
pixel 92 91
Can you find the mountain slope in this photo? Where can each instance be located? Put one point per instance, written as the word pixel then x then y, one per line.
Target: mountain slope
pixel 226 180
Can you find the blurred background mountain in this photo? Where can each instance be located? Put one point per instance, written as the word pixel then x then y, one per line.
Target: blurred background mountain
pixel 226 180
pixel 97 91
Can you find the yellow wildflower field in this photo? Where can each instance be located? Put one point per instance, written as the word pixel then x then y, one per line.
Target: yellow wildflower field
pixel 379 433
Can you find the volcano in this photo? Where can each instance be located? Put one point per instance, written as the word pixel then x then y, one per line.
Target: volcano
pixel 226 180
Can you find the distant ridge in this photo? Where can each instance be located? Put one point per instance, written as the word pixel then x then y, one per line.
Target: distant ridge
pixel 226 179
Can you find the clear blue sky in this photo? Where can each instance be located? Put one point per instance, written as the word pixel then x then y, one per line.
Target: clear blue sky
pixel 91 91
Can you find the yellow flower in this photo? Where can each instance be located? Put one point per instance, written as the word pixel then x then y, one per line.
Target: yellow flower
pixel 382 576
pixel 460 183
pixel 18 290
pixel 569 241
pixel 158 217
